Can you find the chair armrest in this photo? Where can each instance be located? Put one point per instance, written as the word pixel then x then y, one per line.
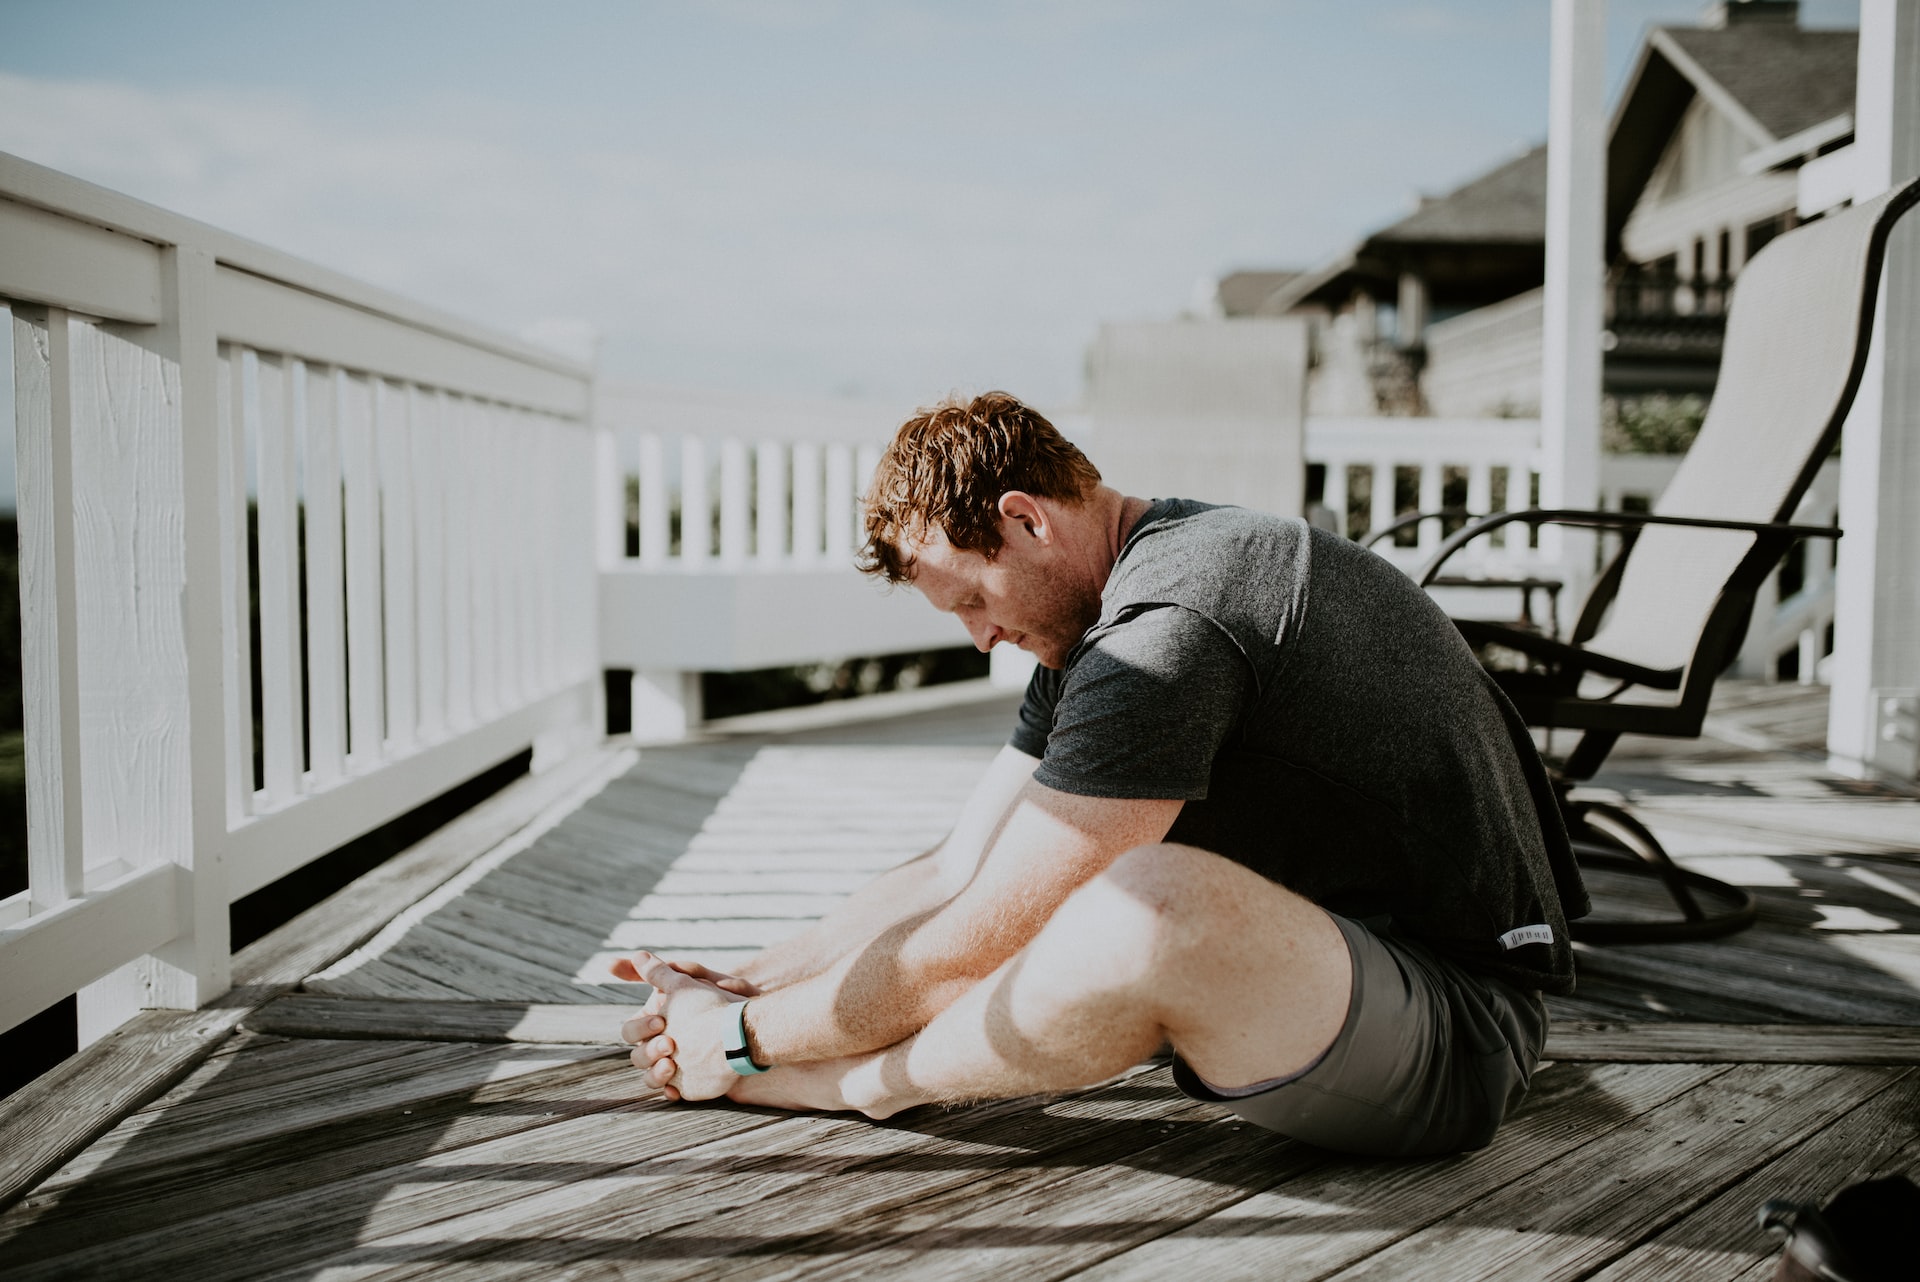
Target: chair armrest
pixel 1412 519
pixel 1611 520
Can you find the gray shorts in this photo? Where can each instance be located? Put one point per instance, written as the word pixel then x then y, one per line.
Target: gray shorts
pixel 1429 1061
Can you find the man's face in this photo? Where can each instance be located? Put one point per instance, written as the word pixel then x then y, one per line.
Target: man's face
pixel 1027 595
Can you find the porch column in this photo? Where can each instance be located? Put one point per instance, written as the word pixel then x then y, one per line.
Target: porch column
pixel 1873 721
pixel 1576 229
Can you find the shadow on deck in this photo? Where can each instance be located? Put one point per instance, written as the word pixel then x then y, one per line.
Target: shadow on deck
pixel 445 1095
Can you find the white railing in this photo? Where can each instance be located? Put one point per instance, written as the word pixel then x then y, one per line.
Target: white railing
pixel 1487 465
pixel 296 557
pixel 1378 468
pixel 729 530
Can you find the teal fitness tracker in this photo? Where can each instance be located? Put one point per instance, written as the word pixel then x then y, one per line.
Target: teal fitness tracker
pixel 739 1058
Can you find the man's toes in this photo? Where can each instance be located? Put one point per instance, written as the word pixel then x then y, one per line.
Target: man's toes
pixel 661 1072
pixel 660 1047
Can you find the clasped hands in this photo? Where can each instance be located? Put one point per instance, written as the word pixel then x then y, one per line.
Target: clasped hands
pixel 678 1037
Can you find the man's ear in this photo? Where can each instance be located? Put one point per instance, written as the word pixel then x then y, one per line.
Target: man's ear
pixel 1025 511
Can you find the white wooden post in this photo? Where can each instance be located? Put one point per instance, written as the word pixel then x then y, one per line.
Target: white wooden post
pixel 696 517
pixel 326 619
pixel 361 495
pixel 49 650
pixel 655 519
pixel 735 513
pixel 666 704
pixel 609 500
pixel 392 436
pixel 1380 514
pixel 866 463
pixel 770 504
pixel 456 521
pixel 149 586
pixel 430 555
pixel 839 506
pixel 807 528
pixel 1432 473
pixel 1874 717
pixel 236 633
pixel 1480 487
pixel 277 511
pixel 1576 231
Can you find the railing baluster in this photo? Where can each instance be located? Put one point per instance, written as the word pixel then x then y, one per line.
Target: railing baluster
pixel 496 624
pixel 484 564
pixel 735 496
pixel 656 534
pixel 528 497
pixel 1385 481
pixel 236 627
pixel 393 430
pixel 839 506
pixel 425 466
pixel 866 462
pixel 696 516
pixel 770 506
pixel 365 678
pixel 456 485
pixel 806 502
pixel 1480 487
pixel 326 626
pixel 49 653
pixel 277 509
pixel 1432 476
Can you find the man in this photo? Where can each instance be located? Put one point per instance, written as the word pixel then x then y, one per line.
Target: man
pixel 1261 804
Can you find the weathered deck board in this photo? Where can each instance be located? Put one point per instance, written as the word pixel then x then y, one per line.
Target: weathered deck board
pixel 545 923
pixel 1574 1215
pixel 437 1116
pixel 447 1099
pixel 1353 1207
pixel 1721 1239
pixel 1042 1222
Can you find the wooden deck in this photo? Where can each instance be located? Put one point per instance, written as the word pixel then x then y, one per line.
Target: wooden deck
pixel 439 1098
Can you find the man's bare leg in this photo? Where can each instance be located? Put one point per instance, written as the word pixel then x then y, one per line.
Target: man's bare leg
pixel 1246 979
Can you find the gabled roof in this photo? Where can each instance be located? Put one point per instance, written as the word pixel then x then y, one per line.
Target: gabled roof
pixel 1772 80
pixel 1502 212
pixel 1507 204
pixel 1785 78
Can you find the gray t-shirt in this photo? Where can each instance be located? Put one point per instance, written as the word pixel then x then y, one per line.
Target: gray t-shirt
pixel 1327 727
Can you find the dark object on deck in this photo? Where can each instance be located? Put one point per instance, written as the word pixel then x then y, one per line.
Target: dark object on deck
pixel 1670 610
pixel 1869 1232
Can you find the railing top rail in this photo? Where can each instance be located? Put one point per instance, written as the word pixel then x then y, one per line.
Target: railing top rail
pixel 25 183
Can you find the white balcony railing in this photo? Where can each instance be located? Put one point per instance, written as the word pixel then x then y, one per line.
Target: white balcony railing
pixel 296 557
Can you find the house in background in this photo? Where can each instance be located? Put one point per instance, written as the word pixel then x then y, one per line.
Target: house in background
pixel 1725 135
pixel 1716 133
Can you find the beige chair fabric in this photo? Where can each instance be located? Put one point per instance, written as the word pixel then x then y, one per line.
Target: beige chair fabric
pixel 1789 347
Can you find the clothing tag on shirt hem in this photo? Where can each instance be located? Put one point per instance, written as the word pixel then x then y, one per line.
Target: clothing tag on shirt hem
pixel 1527 935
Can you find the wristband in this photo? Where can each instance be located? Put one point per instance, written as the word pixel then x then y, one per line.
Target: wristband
pixel 739 1058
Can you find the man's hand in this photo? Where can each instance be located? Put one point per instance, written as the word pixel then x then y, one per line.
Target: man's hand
pixel 690 1061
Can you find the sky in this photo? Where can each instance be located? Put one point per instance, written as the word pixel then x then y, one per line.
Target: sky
pixel 885 201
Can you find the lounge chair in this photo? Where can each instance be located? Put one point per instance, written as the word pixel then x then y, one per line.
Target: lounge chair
pixel 1668 613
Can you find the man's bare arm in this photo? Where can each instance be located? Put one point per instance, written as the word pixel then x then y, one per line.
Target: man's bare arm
pixel 909 890
pixel 1051 844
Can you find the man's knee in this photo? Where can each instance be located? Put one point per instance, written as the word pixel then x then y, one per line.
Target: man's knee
pixel 1151 900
